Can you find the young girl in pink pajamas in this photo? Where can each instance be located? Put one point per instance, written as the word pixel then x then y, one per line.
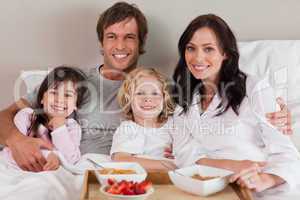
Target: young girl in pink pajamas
pixel 59 96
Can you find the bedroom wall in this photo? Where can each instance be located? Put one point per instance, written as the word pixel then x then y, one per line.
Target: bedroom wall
pixel 41 34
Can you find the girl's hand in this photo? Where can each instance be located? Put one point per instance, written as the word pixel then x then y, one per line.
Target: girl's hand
pixel 52 162
pixel 168 152
pixel 281 119
pixel 56 122
pixel 253 179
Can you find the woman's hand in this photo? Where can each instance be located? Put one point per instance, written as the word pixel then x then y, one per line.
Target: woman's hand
pixel 253 179
pixel 52 162
pixel 281 119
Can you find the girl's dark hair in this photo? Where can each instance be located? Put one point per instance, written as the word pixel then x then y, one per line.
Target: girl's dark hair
pixel 55 77
pixel 232 81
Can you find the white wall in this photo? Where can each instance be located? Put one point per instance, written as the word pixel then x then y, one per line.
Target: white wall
pixel 40 34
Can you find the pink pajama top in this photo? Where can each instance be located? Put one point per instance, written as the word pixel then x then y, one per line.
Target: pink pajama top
pixel 65 139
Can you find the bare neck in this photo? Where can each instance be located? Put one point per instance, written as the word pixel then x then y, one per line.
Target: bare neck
pixel 115 75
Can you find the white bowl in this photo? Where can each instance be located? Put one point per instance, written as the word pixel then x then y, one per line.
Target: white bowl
pixel 183 180
pixel 140 175
pixel 125 197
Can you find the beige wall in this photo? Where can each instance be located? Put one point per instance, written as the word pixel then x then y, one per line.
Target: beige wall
pixel 40 34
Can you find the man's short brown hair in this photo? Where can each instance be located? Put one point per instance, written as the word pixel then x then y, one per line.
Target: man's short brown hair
pixel 119 12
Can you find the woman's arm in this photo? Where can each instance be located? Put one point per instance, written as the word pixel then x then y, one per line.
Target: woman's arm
pixel 282 156
pixel 247 173
pixel 148 164
pixel 254 179
pixel 231 165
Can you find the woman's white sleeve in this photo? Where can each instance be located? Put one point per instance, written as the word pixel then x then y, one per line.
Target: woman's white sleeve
pixel 185 148
pixel 283 157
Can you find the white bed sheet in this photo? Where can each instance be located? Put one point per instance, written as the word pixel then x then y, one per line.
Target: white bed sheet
pixel 62 184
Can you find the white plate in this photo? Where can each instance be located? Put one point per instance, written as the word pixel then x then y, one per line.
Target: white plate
pixel 183 179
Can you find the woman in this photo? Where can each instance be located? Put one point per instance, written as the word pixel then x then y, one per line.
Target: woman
pixel 224 110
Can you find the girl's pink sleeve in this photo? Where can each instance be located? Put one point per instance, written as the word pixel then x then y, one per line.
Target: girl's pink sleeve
pixel 66 139
pixel 22 120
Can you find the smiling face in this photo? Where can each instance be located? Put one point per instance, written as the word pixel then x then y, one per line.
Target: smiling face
pixel 147 99
pixel 60 100
pixel 203 55
pixel 121 45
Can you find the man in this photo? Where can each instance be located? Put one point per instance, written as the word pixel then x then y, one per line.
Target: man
pixel 122 31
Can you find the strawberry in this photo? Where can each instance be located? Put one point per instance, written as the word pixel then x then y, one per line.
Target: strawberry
pixel 127 187
pixel 113 190
pixel 145 185
pixel 128 191
pixel 110 181
pixel 130 185
pixel 122 186
pixel 138 189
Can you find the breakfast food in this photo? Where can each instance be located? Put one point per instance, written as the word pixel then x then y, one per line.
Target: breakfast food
pixel 127 187
pixel 116 171
pixel 203 178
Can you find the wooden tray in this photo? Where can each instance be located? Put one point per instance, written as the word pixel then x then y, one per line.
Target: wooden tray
pixel 164 190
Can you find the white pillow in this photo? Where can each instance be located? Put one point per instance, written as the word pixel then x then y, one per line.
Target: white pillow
pixel 33 79
pixel 280 60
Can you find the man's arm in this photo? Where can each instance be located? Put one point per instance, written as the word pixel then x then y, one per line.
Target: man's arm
pixel 25 150
pixel 7 127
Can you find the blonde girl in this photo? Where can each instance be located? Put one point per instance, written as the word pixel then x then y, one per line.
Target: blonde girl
pixel 148 107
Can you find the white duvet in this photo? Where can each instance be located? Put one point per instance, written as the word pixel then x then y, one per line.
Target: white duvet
pixel 62 184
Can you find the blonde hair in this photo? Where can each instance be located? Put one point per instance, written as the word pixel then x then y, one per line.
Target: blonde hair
pixel 130 83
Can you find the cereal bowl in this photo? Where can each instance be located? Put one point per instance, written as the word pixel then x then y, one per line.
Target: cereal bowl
pixel 139 174
pixel 212 179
